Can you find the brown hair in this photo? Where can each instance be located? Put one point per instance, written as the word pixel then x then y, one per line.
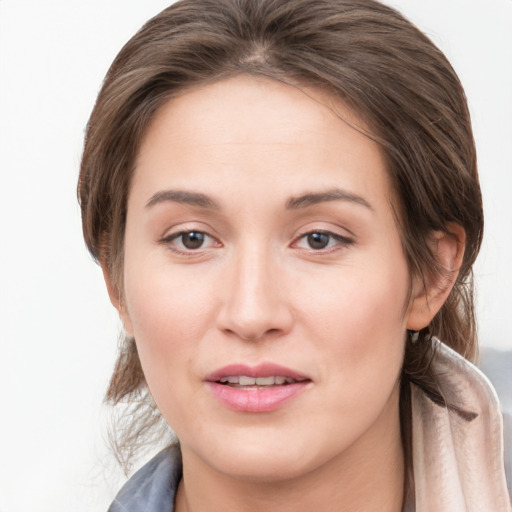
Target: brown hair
pixel 362 52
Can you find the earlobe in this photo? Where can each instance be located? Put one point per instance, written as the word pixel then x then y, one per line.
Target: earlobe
pixel 428 298
pixel 116 299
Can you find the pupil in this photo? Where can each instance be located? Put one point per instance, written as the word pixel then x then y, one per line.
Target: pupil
pixel 318 240
pixel 193 240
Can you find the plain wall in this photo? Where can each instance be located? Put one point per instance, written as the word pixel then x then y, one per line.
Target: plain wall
pixel 58 332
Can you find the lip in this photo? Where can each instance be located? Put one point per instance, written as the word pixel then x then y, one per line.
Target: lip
pixel 256 400
pixel 260 370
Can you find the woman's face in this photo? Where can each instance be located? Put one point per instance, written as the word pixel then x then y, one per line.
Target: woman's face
pixel 264 280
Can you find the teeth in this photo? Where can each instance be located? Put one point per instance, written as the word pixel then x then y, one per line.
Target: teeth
pixel 243 380
pixel 265 381
pixel 246 381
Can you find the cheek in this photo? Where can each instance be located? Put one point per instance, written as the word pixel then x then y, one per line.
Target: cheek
pixel 361 342
pixel 169 317
pixel 163 300
pixel 169 313
pixel 359 321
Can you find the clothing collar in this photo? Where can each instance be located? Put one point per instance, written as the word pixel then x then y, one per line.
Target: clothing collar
pixel 154 486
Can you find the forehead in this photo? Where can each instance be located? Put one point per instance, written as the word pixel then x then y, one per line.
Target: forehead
pixel 248 130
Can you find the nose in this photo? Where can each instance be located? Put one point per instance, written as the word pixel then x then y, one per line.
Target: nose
pixel 255 304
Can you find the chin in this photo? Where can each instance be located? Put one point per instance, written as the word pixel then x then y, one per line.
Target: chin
pixel 265 467
pixel 264 458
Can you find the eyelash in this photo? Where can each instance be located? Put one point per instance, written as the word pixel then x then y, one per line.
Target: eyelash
pixel 339 241
pixel 169 239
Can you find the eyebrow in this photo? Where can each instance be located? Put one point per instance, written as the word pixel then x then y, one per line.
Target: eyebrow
pixel 335 194
pixel 183 197
pixel 294 203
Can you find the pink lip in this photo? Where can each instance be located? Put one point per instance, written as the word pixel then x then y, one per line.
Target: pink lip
pixel 260 370
pixel 252 399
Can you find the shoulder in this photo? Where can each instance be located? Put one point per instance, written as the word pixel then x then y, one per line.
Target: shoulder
pixel 153 487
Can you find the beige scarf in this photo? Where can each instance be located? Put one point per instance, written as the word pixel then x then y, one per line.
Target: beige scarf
pixel 458 458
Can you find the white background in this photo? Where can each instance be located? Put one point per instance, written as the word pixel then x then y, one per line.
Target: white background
pixel 58 330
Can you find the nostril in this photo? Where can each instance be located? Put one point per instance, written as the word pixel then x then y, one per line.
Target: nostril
pixel 256 335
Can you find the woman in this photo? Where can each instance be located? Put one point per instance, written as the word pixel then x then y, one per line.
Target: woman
pixel 284 200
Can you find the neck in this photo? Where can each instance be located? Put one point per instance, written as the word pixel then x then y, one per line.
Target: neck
pixel 367 476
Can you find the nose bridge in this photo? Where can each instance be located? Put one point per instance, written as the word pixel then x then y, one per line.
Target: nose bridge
pixel 254 302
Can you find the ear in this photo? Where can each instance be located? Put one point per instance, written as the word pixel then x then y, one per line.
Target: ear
pixel 427 300
pixel 116 298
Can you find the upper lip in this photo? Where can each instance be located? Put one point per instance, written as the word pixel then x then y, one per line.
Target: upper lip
pixel 260 370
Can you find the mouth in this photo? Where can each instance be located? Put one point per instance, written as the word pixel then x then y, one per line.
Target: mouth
pixel 263 388
pixel 245 382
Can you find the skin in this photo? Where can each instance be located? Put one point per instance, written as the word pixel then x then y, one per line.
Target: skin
pixel 257 291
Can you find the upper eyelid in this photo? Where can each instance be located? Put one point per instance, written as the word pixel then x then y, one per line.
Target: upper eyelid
pixel 168 237
pixel 177 234
pixel 189 227
pixel 330 232
pixel 326 224
pixel 341 242
pixel 167 241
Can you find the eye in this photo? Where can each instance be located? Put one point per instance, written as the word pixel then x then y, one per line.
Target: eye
pixel 192 239
pixel 187 241
pixel 322 240
pixel 318 240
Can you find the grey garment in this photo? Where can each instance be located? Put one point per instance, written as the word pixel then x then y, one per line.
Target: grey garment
pixel 153 487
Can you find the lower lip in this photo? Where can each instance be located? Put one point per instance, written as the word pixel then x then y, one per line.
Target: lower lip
pixel 254 399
